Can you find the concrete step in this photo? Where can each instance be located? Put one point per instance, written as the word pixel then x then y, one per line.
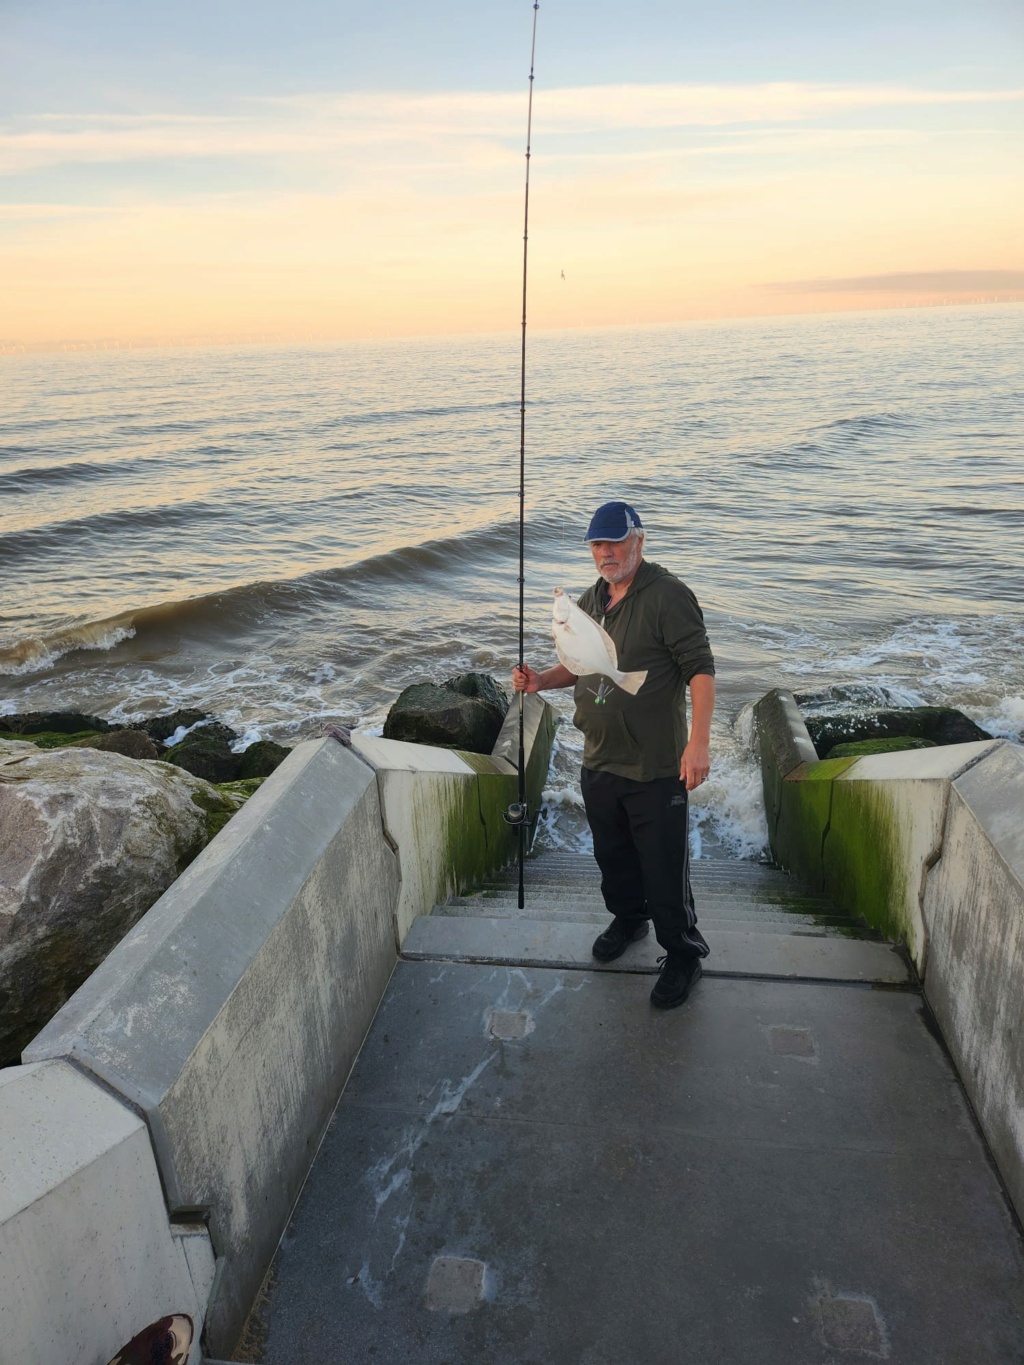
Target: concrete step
pixel 777 906
pixel 704 873
pixel 598 920
pixel 539 943
pixel 773 882
pixel 592 909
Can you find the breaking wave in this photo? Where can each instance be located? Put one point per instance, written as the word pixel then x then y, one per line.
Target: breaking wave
pixel 237 609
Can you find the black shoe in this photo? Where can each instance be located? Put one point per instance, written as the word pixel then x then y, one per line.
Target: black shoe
pixel 679 972
pixel 617 938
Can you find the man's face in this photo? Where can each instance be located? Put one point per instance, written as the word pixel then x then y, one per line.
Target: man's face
pixel 617 560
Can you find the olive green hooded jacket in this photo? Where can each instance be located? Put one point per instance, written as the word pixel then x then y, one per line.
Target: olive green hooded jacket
pixel 658 626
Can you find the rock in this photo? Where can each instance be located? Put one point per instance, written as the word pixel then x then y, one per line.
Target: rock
pixel 211 759
pixel 160 728
pixel 214 730
pixel 940 724
pixel 261 758
pixel 129 743
pixel 482 686
pixel 50 739
pixel 465 712
pixel 879 746
pixel 53 722
pixel 242 789
pixel 90 841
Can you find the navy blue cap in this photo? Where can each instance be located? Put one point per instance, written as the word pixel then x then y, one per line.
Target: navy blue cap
pixel 612 521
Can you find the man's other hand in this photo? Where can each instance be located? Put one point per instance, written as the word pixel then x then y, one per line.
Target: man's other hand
pixel 694 765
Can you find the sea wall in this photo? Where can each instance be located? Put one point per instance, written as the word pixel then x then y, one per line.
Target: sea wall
pixel 224 1025
pixel 927 846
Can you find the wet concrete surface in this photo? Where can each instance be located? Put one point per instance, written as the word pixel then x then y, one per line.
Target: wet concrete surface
pixel 533 1165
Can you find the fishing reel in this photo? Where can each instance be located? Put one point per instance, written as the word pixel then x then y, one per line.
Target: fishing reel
pixel 517 814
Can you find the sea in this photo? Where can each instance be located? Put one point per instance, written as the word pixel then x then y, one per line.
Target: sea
pixel 288 535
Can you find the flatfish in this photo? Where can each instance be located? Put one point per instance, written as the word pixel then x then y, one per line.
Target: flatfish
pixel 585 647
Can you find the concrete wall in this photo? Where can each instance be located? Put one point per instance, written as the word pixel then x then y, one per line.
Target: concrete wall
pixel 232 1013
pixel 88 1256
pixel 443 809
pixel 225 1024
pixel 928 846
pixel 974 910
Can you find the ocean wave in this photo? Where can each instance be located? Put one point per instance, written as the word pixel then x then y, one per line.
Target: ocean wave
pixel 38 478
pixel 392 415
pixel 235 609
pixel 59 537
pixel 39 652
pixel 869 423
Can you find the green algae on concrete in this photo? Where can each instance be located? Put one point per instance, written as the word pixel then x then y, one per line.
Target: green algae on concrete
pixel 896 744
pixel 865 860
pixel 477 836
pixel 478 847
pixel 804 814
pixel 863 842
pixel 845 838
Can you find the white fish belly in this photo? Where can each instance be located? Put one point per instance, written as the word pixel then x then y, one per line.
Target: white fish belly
pixel 584 647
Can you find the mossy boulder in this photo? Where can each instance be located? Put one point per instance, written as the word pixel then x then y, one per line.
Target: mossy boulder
pixel 242 789
pixel 261 758
pixel 208 758
pixel 91 840
pixel 37 723
pixel 128 743
pixel 465 712
pixel 940 724
pixel 894 745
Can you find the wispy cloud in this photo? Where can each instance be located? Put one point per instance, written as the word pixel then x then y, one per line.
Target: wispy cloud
pixel 909 282
pixel 326 124
pixel 358 214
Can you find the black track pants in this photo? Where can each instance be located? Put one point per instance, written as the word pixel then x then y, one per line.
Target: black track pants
pixel 641 846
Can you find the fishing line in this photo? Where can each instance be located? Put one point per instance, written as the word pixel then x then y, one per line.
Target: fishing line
pixel 518 814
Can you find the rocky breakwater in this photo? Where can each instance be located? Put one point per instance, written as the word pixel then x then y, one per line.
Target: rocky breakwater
pixel 96 821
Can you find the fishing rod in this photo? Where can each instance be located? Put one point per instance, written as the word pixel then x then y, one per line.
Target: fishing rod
pixel 519 814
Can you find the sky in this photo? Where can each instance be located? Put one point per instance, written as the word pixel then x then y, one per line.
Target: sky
pixel 225 171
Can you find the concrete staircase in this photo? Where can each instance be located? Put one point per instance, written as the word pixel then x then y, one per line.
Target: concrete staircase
pixel 758 921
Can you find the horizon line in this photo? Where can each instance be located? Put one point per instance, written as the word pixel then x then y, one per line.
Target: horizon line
pixel 200 340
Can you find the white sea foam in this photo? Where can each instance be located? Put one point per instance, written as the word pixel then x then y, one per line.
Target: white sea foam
pixel 728 809
pixel 1004 719
pixel 250 734
pixel 181 732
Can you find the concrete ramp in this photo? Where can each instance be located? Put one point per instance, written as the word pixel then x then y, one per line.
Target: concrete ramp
pixel 531 1164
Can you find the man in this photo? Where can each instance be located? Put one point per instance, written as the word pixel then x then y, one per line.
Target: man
pixel 639 763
